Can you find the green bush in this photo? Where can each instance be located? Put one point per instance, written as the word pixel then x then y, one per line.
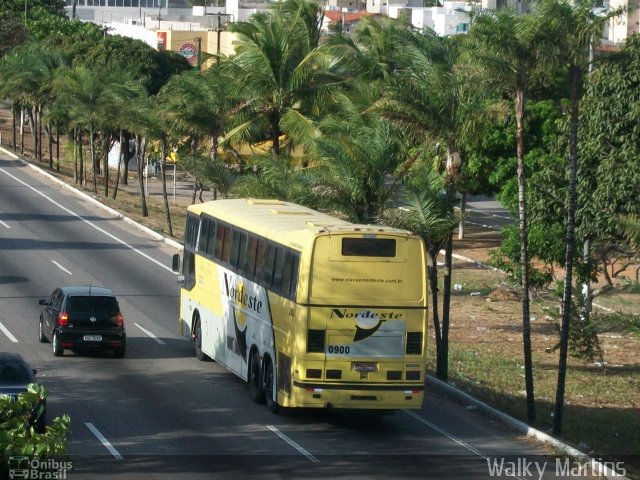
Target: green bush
pixel 19 436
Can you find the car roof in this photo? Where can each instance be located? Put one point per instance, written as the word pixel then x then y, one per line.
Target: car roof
pixel 11 356
pixel 86 290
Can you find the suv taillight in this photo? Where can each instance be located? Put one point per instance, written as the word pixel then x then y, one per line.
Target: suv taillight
pixel 63 319
pixel 120 320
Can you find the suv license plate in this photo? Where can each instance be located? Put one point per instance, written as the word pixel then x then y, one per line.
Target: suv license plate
pixel 92 338
pixel 364 366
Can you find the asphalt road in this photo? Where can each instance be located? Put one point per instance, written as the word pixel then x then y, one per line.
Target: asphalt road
pixel 160 413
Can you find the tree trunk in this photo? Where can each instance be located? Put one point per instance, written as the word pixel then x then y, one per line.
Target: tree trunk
pixel 81 157
pixel 524 256
pixel 106 143
pixel 432 274
pixel 463 206
pixel 50 137
pixel 163 173
pixel 14 126
pixel 120 160
pixel 140 152
pixel 443 353
pixel 58 149
pixel 574 82
pixel 94 161
pixel 39 116
pixel 21 130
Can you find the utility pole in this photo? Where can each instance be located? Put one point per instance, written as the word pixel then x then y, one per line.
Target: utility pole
pixel 198 41
pixel 219 29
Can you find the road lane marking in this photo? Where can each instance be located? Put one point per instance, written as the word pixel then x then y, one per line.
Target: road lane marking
pixel 91 224
pixel 451 437
pixel 61 267
pixel 8 333
pixel 148 333
pixel 293 444
pixel 104 441
pixel 445 433
pixel 4 224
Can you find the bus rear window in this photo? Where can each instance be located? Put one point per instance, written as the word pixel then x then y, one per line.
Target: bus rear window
pixel 368 247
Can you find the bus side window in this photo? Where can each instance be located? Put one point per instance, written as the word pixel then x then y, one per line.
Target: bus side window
pixel 211 238
pixel 238 248
pixel 290 274
pixel 260 259
pixel 223 243
pixel 270 257
pixel 278 267
pixel 189 269
pixel 191 231
pixel 249 265
pixel 202 243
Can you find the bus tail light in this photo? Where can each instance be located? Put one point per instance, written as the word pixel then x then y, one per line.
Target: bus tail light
pixel 63 319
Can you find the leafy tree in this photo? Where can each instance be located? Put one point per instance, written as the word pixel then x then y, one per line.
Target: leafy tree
pixel 18 435
pixel 152 67
pixel 12 31
pixel 34 7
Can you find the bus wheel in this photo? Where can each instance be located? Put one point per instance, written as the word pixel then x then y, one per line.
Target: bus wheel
pixel 269 389
pixel 255 380
pixel 197 338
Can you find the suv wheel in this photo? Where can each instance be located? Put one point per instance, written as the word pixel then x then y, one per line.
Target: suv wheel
pixel 58 351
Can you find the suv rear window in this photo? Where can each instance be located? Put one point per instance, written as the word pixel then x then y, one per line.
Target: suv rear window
pixel 93 304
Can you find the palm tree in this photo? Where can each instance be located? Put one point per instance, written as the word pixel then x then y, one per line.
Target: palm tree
pixel 425 208
pixel 511 47
pixel 279 76
pixel 195 105
pixel 433 100
pixel 574 32
pixel 359 163
pixel 81 89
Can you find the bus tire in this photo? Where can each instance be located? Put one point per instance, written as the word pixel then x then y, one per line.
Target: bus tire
pixel 269 388
pixel 255 378
pixel 197 339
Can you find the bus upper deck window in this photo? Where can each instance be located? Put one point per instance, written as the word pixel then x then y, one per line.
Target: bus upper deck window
pixel 368 247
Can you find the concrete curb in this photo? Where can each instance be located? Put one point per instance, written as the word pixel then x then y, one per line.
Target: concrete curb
pixel 85 196
pixel 525 429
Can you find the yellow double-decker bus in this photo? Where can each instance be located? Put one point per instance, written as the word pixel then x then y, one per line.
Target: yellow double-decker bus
pixel 310 310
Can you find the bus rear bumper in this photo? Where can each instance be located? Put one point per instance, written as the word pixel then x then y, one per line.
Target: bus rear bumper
pixel 390 397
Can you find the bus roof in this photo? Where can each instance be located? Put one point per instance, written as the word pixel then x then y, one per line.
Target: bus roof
pixel 283 222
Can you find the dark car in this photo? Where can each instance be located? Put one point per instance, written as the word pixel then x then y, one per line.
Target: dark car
pixel 83 317
pixel 15 376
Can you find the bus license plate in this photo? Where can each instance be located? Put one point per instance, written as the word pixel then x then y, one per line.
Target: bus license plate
pixel 364 366
pixel 93 338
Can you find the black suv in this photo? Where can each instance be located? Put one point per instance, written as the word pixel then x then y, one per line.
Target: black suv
pixel 82 317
